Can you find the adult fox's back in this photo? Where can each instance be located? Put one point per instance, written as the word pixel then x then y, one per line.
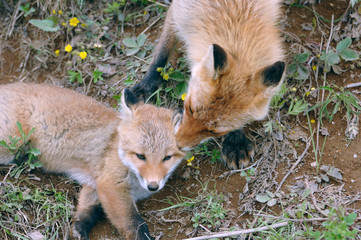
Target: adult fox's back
pixel 244 28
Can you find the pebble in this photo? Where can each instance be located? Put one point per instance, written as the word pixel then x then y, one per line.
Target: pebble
pixel 352 180
pixel 355 156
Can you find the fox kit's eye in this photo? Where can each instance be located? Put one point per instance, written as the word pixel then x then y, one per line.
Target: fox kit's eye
pixel 141 156
pixel 167 158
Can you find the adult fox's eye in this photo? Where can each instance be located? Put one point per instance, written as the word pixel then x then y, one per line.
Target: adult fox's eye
pixel 167 158
pixel 141 156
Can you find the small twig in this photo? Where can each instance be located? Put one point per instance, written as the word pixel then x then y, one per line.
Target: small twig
pixel 300 158
pixel 7 174
pixel 205 228
pixel 170 220
pixel 353 85
pixel 151 25
pixel 291 219
pixel 314 200
pixel 240 232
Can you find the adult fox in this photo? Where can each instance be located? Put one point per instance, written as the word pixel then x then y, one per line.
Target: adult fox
pixel 236 59
pixel 119 158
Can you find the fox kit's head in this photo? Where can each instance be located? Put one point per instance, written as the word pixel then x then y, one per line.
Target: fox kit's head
pixel 224 95
pixel 147 143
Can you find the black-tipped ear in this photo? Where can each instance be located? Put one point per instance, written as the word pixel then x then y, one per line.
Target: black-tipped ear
pixel 273 74
pixel 130 98
pixel 220 58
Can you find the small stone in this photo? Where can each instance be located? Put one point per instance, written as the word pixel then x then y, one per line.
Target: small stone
pixel 355 156
pixel 352 180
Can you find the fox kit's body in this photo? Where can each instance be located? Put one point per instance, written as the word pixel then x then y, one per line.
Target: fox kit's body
pixel 96 146
pixel 235 53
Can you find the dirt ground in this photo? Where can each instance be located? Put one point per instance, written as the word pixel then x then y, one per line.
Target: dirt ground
pixel 275 153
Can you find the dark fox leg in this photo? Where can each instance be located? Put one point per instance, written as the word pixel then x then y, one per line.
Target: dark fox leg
pixel 152 79
pixel 88 212
pixel 237 149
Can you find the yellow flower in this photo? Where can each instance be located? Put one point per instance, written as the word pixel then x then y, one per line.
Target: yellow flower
pixel 190 161
pixel 68 48
pixel 314 68
pixel 54 11
pixel 313 121
pixel 307 93
pixel 60 12
pixel 63 24
pixel 83 25
pixel 83 55
pixel 145 13
pixel 57 52
pixel 294 89
pixel 159 69
pixel 73 22
pixel 166 76
pixel 184 96
pixel 312 88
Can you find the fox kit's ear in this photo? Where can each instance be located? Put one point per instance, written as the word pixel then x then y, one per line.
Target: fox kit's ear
pixel 128 99
pixel 272 75
pixel 215 61
pixel 176 119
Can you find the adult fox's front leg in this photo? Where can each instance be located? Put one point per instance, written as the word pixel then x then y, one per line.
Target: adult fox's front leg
pixel 152 79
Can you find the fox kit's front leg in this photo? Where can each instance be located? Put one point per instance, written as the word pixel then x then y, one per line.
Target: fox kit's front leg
pixel 120 208
pixel 88 211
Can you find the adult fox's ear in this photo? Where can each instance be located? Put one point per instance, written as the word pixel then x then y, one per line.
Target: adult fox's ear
pixel 272 74
pixel 128 100
pixel 215 60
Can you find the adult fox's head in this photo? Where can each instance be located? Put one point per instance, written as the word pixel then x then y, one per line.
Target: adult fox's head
pixel 224 94
pixel 147 143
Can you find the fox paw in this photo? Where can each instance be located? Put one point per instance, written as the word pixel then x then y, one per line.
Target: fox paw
pixel 237 150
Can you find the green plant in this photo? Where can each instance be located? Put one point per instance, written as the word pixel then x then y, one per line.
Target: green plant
pixel 136 46
pixel 343 51
pixel 22 149
pixel 248 174
pixel 75 76
pixel 97 75
pixel 298 69
pixel 334 101
pixel 26 9
pixel 337 228
pixel 207 207
pixel 202 149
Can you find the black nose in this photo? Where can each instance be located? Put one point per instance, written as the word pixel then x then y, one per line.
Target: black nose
pixel 153 186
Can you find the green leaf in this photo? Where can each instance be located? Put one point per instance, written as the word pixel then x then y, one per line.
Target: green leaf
pixel 132 51
pixel 343 45
pixel 262 198
pixel 45 25
pixel 302 58
pixel 180 89
pixel 292 68
pixel 332 58
pixel 349 220
pixel 349 55
pixel 141 39
pixel 128 42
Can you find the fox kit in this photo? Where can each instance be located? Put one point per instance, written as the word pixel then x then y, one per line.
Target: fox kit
pixel 119 158
pixel 236 58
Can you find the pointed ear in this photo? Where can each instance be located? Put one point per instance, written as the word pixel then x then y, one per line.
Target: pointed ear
pixel 128 99
pixel 272 75
pixel 176 120
pixel 215 61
